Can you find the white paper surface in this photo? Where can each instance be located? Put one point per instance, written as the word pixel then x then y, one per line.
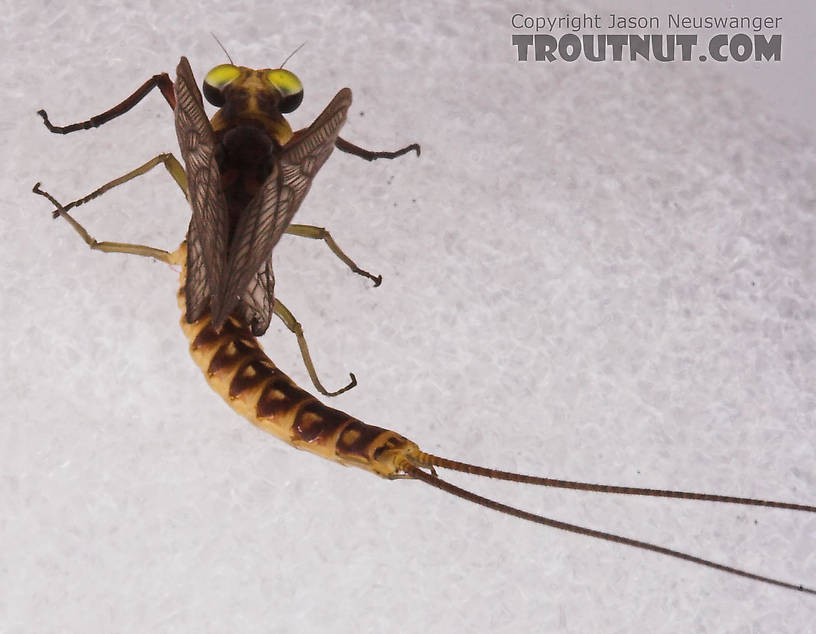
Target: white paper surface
pixel 600 272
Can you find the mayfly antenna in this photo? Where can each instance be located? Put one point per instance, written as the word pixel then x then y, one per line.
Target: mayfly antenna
pixel 215 37
pixel 292 54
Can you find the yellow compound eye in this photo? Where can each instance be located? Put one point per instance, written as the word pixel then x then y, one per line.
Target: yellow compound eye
pixel 218 79
pixel 290 88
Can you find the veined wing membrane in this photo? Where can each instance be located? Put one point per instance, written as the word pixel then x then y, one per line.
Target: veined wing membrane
pixel 257 302
pixel 271 210
pixel 209 224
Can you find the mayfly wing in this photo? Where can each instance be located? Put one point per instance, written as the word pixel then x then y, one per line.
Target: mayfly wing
pixel 256 304
pixel 271 210
pixel 209 224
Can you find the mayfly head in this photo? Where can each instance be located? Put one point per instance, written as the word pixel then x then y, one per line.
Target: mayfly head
pixel 269 91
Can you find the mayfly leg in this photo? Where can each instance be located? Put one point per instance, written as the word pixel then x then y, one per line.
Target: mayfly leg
pixel 289 320
pixel 295 328
pixel 106 246
pixel 348 147
pixel 321 233
pixel 170 163
pixel 175 170
pixel 161 81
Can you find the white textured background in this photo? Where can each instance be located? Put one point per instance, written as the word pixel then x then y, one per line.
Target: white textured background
pixel 596 271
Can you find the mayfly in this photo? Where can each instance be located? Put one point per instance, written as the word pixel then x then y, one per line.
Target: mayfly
pixel 246 172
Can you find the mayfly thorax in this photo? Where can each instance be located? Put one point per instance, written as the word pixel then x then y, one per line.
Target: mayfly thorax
pixel 245 174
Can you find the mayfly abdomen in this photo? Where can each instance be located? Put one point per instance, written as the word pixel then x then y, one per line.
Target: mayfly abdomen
pixel 237 368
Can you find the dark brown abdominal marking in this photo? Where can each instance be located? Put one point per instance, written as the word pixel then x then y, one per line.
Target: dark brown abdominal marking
pixel 279 396
pixel 249 376
pixel 206 338
pixel 316 421
pixel 231 353
pixel 357 439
